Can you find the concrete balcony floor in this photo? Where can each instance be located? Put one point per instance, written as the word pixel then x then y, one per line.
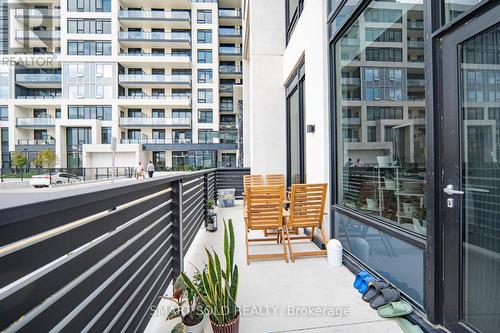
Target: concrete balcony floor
pixel 270 291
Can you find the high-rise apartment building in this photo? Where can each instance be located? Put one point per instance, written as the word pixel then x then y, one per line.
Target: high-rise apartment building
pixel 162 77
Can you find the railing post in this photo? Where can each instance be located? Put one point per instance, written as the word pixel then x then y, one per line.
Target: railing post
pixel 216 186
pixel 177 222
pixel 205 193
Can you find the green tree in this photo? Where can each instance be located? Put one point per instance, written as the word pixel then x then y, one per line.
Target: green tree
pixel 46 159
pixel 19 160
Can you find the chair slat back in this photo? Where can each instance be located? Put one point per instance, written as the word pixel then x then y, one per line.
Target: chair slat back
pixel 277 179
pixel 264 207
pixel 307 204
pixel 251 180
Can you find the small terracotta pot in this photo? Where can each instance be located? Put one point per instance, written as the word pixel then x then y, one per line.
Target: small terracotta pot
pixel 231 327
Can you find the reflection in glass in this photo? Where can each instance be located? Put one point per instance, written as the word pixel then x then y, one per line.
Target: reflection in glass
pixel 454 8
pixel 381 114
pixel 294 136
pixel 480 90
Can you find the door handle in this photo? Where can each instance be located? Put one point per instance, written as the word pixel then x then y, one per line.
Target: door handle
pixel 450 191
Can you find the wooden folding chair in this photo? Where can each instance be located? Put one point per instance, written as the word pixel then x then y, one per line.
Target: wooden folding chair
pixel 307 204
pixel 264 211
pixel 278 179
pixel 251 180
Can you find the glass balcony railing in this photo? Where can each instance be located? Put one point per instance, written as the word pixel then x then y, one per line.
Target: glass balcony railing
pixel 154 14
pixel 35 142
pixel 228 125
pixel 230 13
pixel 155 121
pixel 154 78
pixel 416 82
pixel 416 44
pixel 38 12
pixel 229 32
pixel 416 24
pixel 43 121
pixel 38 34
pixel 156 54
pixel 154 36
pixel 41 96
pixel 230 50
pixel 157 96
pixel 38 78
pixel 230 69
pixel 226 107
pixel 157 141
pixel 226 88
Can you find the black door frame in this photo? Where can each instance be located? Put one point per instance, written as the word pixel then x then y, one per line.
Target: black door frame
pixel 451 162
pixel 296 84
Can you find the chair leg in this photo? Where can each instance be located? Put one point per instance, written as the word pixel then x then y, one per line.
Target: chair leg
pixel 289 244
pixel 284 246
pixel 323 236
pixel 246 242
pixel 312 233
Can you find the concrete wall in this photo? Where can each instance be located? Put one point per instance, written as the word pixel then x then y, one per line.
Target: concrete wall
pixel 264 97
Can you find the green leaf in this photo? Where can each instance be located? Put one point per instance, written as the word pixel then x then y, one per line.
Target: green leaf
pixel 179 328
pixel 174 313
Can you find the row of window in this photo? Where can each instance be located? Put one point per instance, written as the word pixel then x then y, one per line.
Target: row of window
pixel 89 5
pixel 89 47
pixel 89 26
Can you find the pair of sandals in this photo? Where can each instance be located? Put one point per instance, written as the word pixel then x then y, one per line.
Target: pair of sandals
pixel 380 293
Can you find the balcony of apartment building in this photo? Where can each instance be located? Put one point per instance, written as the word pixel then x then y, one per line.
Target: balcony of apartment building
pixel 179 58
pixel 138 37
pixel 34 145
pixel 226 105
pixel 156 79
pixel 174 4
pixel 155 18
pixel 156 121
pixel 229 52
pixel 37 13
pixel 226 89
pixel 35 93
pixel 230 70
pixel 228 125
pixel 140 96
pixel 230 16
pixel 38 77
pixel 35 122
pixel 40 35
pixel 230 34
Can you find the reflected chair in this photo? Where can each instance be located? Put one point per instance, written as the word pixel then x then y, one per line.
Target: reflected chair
pixel 264 211
pixel 307 205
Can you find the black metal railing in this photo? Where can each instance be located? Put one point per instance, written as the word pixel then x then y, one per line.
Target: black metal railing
pixel 63 174
pixel 99 258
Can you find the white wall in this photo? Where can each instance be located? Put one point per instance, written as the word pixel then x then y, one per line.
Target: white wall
pixel 264 99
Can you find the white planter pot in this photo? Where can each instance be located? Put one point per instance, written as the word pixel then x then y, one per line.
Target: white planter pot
pixel 384 161
pixel 372 203
pixel 199 328
pixel 390 184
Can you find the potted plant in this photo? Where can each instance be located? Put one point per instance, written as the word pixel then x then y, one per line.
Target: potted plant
pixel 419 221
pixel 372 202
pixel 193 315
pixel 210 205
pixel 389 181
pixel 222 282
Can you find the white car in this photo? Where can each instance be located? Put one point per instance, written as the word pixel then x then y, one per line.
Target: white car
pixel 57 178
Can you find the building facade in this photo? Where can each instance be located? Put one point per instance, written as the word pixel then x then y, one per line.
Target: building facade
pixel 395 104
pixel 162 77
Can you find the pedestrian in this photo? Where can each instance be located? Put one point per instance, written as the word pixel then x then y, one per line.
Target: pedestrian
pixel 349 163
pixel 150 169
pixel 359 163
pixel 139 171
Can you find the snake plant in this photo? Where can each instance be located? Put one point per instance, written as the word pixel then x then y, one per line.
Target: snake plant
pixel 220 284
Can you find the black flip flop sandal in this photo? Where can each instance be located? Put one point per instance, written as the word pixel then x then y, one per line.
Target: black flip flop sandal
pixel 373 290
pixel 384 297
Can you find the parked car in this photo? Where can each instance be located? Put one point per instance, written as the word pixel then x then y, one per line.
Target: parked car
pixel 57 178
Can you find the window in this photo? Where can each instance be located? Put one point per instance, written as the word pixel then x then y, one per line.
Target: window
pixel 204 56
pixel 205 96
pixel 89 112
pixel 89 5
pixel 181 114
pixel 381 145
pixel 205 116
pixel 89 47
pixel 205 136
pixel 205 76
pixel 89 26
pixel 4 113
pixel 204 16
pixel 292 12
pixel 106 135
pixel 158 113
pixel 204 36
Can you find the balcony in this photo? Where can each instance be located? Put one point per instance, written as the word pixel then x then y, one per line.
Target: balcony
pixel 143 99
pixel 154 18
pixel 351 81
pixel 35 122
pixel 156 122
pixel 416 82
pixel 351 121
pixel 139 58
pixel 229 53
pixel 225 107
pixel 225 125
pixel 417 25
pixel 57 95
pixel 39 80
pixel 230 72
pixel 156 79
pixel 230 16
pixel 226 89
pixel 38 35
pixel 230 35
pixel 35 145
pixel 131 240
pixel 42 13
pixel 416 44
pixel 167 39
